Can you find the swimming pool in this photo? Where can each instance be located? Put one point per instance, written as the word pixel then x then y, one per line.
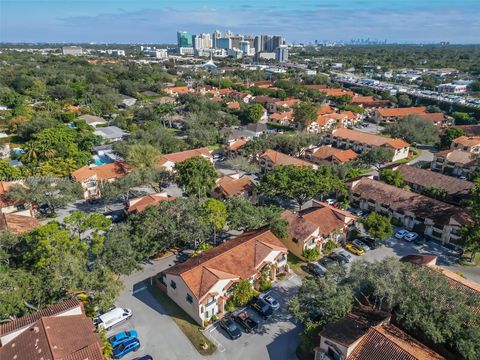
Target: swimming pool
pixel 101 160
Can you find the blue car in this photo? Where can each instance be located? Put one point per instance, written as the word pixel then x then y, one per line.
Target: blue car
pixel 126 348
pixel 119 338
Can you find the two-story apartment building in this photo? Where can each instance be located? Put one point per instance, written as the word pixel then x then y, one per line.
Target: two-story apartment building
pixel 91 177
pixel 168 161
pixel 433 218
pixel 202 285
pixel 467 143
pixel 313 227
pixel 394 114
pixel 271 158
pixel 327 154
pixel 360 141
pixel 455 162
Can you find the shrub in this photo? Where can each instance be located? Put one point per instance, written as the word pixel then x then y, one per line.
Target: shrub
pixel 329 247
pixel 264 285
pixel 229 307
pixel 242 293
pixel 311 254
pixel 213 318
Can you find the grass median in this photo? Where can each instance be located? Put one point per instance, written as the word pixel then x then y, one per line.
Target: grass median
pixel 189 327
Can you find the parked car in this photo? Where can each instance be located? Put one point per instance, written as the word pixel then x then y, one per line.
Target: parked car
pixel 371 242
pixel 246 321
pixel 359 243
pixel 126 348
pixel 261 307
pixel 354 249
pixel 344 254
pixel 230 327
pixel 316 269
pixel 119 338
pixel 338 258
pixel 401 233
pixel 326 262
pixel 112 318
pixel 419 241
pixel 411 236
pixel 274 304
pixel 331 201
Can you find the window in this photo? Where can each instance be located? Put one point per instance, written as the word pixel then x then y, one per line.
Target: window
pixel 173 284
pixel 189 298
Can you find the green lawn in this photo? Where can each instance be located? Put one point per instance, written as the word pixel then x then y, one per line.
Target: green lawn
pixel 295 263
pixel 189 327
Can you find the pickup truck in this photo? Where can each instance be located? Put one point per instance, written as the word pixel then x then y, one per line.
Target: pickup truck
pixel 246 321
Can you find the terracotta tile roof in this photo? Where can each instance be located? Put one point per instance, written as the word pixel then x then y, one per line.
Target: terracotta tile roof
pixel 262 84
pixel 52 310
pixel 326 218
pixel 433 117
pixel 387 342
pixel 140 204
pixel 325 152
pixel 102 172
pixel 185 155
pixel 337 92
pixel 345 156
pixel 238 258
pixel 369 139
pixel 264 99
pixel 316 87
pixel 236 145
pixel 300 229
pixel 329 153
pixel 460 282
pixel 362 99
pixel 419 259
pixel 324 120
pixel 216 99
pixel 288 103
pixel 348 114
pixel 56 338
pixel 401 112
pixel 403 200
pixel 278 158
pixel 233 187
pixel 177 90
pixel 427 178
pixel 233 105
pixel 468 141
pixel 18 223
pixel 354 325
pixel 325 109
pixel 470 130
pixel 463 157
pixel 282 116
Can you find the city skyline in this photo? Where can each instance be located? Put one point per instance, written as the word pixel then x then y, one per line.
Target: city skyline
pixel 147 21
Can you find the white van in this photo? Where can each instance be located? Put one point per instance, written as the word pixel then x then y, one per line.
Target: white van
pixel 112 318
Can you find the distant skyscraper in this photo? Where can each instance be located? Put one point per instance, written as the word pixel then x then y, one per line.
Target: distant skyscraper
pixel 244 46
pixel 236 41
pixel 258 44
pixel 184 39
pixel 203 41
pixel 281 53
pixel 228 34
pixel 224 43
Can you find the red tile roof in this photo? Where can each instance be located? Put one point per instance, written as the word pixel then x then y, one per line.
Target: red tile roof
pixel 401 112
pixel 337 92
pixel 229 186
pixel 236 145
pixel 278 158
pixel 470 130
pixel 185 155
pixel 433 117
pixel 233 105
pixel 239 258
pixel 387 342
pixel 178 89
pixel 140 204
pixel 467 141
pixel 325 109
pixel 369 139
pixel 52 310
pixel 282 116
pixel 102 172
pixel 17 223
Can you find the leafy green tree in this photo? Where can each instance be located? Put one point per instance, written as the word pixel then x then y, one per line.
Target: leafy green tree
pixel 242 163
pixel 119 252
pixel 311 254
pixel 242 215
pixel 376 157
pixel 8 172
pixel 378 226
pixel 392 177
pixel 404 100
pixel 142 156
pixel 214 214
pixel 298 183
pixel 51 192
pixel 463 118
pixel 196 176
pixel 305 114
pixel 254 113
pixel 242 293
pixel 449 135
pixel 436 193
pixel 90 228
pixel 471 232
pixel 342 100
pixel 415 130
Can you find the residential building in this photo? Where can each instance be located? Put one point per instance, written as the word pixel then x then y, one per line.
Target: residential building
pixel 271 158
pixel 281 53
pixel 223 43
pixel 234 185
pixel 7 205
pixel 177 90
pixel 111 133
pixel 233 105
pixel 92 177
pixel 234 147
pixel 327 154
pixel 454 162
pixel 58 332
pixel 369 102
pixel 427 216
pixel 438 119
pixel 127 101
pixel 470 130
pixel 313 227
pixel 265 55
pixel 467 143
pixel 168 161
pixel 184 39
pixel 283 118
pixel 360 141
pixel 452 88
pixel 394 114
pixel 418 179
pixel 93 120
pixel 115 52
pixel 334 92
pixel 18 222
pixel 202 285
pixel 72 50
pixel 366 334
pixel 286 104
pixel 139 204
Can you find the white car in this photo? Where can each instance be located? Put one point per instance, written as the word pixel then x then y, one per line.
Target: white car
pixel 112 318
pixel 361 244
pixel 274 304
pixel 410 236
pixel 345 254
pixel 331 201
pixel 401 233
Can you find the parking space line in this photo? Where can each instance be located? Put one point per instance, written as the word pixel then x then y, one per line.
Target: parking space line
pixel 139 290
pixel 213 339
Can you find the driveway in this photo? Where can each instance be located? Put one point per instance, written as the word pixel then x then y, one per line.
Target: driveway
pixel 161 338
pixel 276 338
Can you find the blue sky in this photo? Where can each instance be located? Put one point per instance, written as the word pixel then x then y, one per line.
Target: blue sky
pixel 156 21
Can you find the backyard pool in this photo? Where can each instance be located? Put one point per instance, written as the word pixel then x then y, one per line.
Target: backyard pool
pixel 101 160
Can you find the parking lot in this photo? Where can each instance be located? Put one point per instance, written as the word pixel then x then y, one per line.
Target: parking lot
pixel 275 338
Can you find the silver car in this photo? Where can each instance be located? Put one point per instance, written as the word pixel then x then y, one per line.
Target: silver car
pixel 361 244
